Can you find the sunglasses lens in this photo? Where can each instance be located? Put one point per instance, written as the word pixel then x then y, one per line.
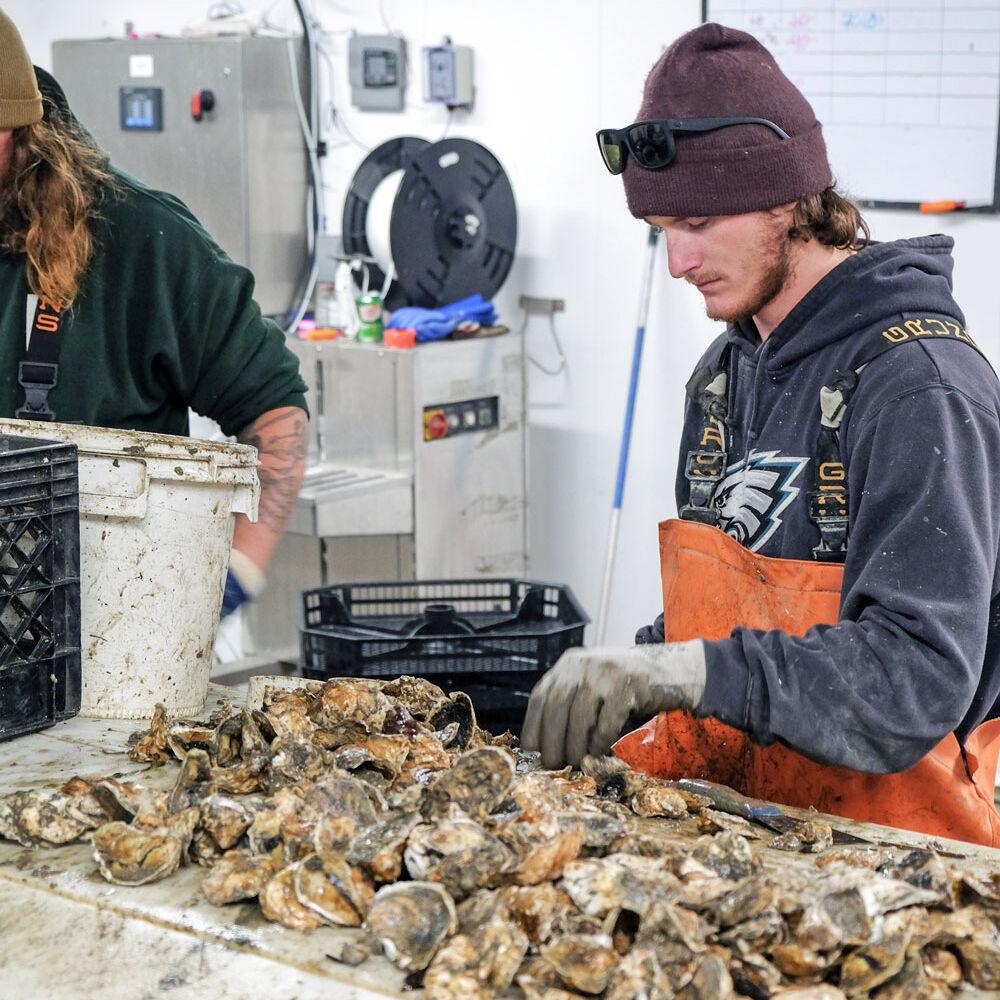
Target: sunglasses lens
pixel 652 145
pixel 611 151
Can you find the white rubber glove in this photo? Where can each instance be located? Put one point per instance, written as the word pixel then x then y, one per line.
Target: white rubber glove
pixel 582 704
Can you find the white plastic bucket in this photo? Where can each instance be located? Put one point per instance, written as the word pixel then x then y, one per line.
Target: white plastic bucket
pixel 156 524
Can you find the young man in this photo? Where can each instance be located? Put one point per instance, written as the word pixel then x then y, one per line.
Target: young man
pixel 831 610
pixel 133 312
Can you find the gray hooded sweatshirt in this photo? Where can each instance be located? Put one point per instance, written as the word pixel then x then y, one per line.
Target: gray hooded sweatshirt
pixel 916 652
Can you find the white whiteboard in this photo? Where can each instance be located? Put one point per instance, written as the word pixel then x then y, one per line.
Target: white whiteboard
pixel 908 91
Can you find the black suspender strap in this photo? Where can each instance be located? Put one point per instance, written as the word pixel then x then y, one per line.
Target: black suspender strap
pixel 38 373
pixel 706 464
pixel 828 501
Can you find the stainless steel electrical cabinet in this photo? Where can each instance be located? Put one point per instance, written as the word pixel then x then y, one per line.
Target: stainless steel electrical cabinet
pixel 417 470
pixel 213 121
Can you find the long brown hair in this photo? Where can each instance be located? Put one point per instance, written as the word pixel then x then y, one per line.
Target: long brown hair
pixel 49 196
pixel 831 219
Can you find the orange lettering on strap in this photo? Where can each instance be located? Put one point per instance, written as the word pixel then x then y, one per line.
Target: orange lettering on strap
pixel 47 322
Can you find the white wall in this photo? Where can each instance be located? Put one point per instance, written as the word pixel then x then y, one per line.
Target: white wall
pixel 548 74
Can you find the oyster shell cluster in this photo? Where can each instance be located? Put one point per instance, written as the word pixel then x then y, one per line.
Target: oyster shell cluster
pixel 383 806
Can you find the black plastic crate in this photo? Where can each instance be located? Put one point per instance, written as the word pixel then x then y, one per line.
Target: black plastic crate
pixel 39 584
pixel 492 639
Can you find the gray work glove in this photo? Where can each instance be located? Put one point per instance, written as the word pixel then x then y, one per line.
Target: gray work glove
pixel 582 704
pixel 650 633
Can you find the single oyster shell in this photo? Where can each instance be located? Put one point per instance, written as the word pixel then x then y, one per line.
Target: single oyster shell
pixel 727 855
pixel 151 746
pixel 810 836
pixel 616 882
pixel 245 778
pixel 714 821
pixel 582 961
pixel 864 969
pixel 194 781
pixel 293 760
pixel 34 817
pixel 925 870
pixel 130 856
pixel 124 801
pixel 425 758
pixel 235 876
pixel 412 920
pixel 328 885
pixel 711 981
pixel 458 718
pixel 639 976
pixel 459 854
pixel 476 783
pixel 658 800
pixel 502 945
pixel 226 819
pixel 379 848
pixel 287 712
pixel 601 831
pixel 454 972
pixel 279 902
pixel 546 850
pixel 537 908
pixel 184 735
pixel 417 695
pixel 749 899
pixel 357 699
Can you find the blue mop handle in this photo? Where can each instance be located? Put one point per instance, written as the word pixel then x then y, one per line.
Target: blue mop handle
pixel 633 385
pixel 616 509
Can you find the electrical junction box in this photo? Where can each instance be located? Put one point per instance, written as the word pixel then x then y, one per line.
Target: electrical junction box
pixel 448 75
pixel 377 71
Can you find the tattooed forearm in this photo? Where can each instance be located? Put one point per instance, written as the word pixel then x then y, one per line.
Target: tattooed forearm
pixel 280 437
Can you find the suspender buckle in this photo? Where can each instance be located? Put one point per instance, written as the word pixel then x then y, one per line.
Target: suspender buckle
pixel 703 470
pixel 37 379
pixel 828 511
pixel 705 466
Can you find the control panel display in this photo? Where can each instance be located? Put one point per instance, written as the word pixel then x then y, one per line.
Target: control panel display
pixel 446 420
pixel 381 68
pixel 141 108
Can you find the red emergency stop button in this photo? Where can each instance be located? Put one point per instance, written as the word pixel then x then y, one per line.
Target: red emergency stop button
pixel 435 425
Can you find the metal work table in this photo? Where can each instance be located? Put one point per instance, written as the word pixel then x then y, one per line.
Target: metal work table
pixel 67 934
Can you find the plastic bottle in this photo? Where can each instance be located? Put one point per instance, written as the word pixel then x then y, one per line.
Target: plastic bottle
pixel 344 289
pixel 325 308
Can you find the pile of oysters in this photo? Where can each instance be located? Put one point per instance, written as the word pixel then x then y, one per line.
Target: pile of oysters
pixel 383 806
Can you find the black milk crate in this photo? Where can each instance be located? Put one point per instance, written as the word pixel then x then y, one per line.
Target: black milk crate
pixel 39 584
pixel 492 639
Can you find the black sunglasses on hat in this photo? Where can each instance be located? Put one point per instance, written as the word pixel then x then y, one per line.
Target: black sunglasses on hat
pixel 652 144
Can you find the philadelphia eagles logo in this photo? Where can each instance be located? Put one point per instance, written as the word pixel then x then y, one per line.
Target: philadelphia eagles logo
pixel 752 495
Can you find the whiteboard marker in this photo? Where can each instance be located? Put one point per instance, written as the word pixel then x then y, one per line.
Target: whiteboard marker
pixel 941 206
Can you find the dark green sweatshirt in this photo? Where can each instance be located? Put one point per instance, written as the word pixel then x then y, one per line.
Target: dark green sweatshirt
pixel 165 321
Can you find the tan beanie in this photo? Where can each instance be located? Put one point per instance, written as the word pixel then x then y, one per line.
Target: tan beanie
pixel 20 100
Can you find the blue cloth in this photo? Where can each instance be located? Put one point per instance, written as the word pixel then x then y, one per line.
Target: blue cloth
pixel 233 596
pixel 436 324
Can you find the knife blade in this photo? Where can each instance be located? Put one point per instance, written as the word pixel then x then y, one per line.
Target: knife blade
pixel 728 800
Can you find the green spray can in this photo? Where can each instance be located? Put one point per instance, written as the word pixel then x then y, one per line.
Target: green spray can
pixel 370 314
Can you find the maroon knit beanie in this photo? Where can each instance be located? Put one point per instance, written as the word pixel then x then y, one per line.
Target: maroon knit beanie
pixel 715 71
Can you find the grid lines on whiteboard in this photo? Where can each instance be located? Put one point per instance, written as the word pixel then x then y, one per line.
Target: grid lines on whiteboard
pixel 898 63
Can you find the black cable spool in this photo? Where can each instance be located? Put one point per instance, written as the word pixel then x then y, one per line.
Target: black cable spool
pixel 454 224
pixel 383 160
